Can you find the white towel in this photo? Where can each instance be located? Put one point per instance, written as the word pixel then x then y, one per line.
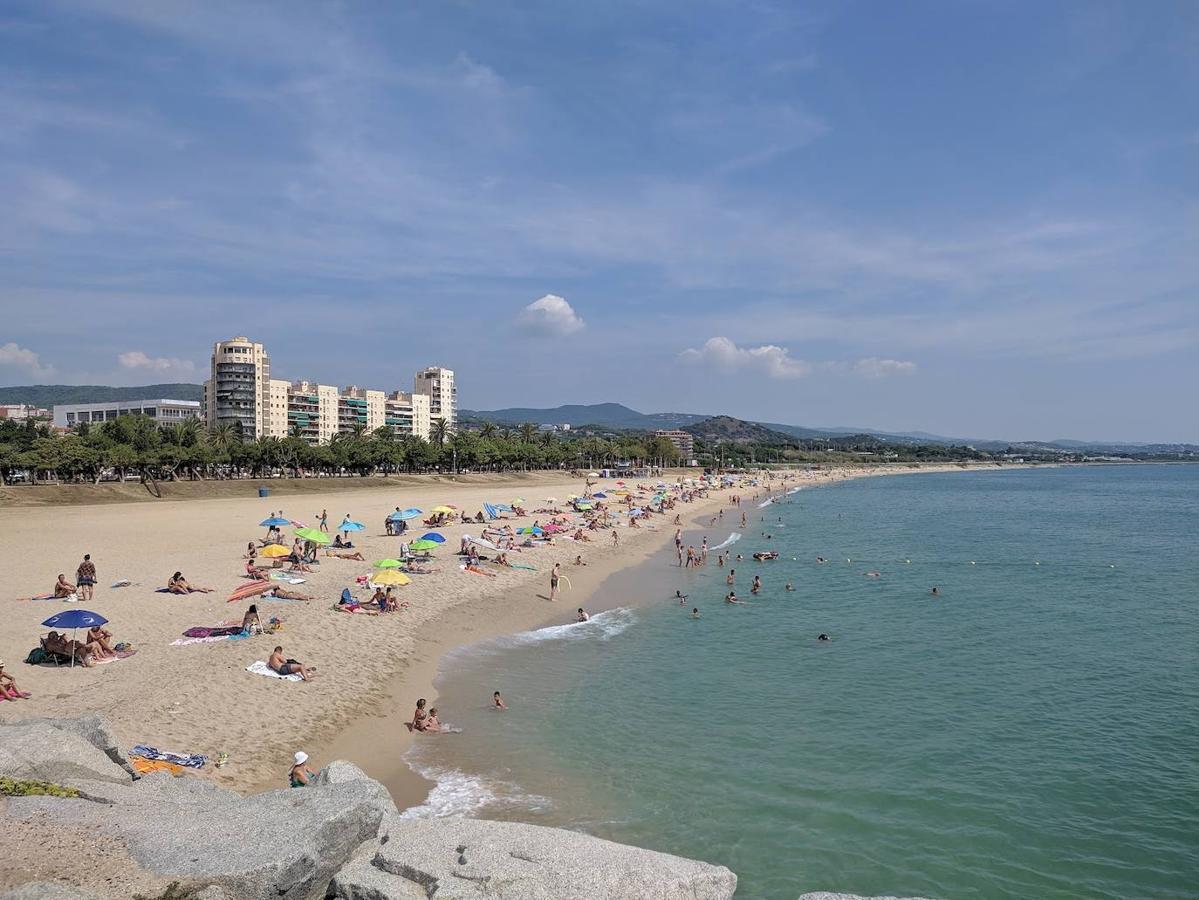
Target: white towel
pixel 260 667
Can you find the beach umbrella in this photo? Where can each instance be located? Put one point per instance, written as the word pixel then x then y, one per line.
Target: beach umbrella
pixel 518 501
pixel 410 513
pixel 274 551
pixel 492 512
pixel 600 496
pixel 389 564
pixel 274 521
pixel 351 525
pixel 422 544
pixel 74 619
pixel 447 510
pixel 313 534
pixel 390 576
pixel 434 537
pixel 533 529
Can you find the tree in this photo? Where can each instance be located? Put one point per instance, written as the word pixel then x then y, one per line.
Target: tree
pixel 488 430
pixel 439 430
pixel 528 430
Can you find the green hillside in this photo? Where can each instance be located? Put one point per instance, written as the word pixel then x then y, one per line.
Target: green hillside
pixel 47 395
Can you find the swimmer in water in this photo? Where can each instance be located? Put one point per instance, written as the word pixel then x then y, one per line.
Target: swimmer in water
pixel 695 612
pixel 681 597
pixel 732 597
pixel 873 574
pixel 936 591
pixel 788 587
pixel 821 559
pixel 497 702
pixel 757 585
pixel 823 637
pixel 583 617
pixel 731 576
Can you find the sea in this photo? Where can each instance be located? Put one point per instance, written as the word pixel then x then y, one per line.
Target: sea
pixel 1030 732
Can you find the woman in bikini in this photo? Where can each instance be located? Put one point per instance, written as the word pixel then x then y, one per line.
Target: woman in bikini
pixel 420 717
pixel 250 623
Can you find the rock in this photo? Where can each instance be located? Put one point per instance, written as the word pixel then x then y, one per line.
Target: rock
pixel 284 844
pixel 213 892
pixel 41 750
pixel 48 890
pixel 512 861
pixel 93 729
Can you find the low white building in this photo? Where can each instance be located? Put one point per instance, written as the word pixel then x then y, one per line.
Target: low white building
pixel 164 412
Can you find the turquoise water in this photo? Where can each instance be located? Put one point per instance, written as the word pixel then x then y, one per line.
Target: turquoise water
pixel 1034 732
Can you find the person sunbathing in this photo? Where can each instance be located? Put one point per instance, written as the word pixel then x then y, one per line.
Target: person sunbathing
pixel 281 593
pixel 356 555
pixel 250 622
pixel 8 687
pixel 255 572
pixel 62 587
pixel 420 717
pixel 378 597
pixel 282 665
pixel 177 584
pixel 98 640
pixel 339 544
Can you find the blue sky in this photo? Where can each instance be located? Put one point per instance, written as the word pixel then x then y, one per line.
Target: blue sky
pixel 973 218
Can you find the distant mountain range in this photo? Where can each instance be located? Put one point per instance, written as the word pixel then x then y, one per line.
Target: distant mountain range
pixel 47 395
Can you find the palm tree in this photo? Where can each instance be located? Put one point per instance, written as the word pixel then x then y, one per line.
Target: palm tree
pixel 506 432
pixel 548 439
pixel 527 432
pixel 223 436
pixel 488 430
pixel 439 430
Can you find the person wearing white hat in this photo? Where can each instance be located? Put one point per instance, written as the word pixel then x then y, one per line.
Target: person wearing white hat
pixel 300 774
pixel 8 687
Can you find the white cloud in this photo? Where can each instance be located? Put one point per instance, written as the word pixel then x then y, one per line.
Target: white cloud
pixel 873 367
pixel 14 356
pixel 135 359
pixel 551 315
pixel 722 353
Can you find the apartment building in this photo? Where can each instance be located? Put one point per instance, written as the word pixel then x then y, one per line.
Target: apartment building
pixel 682 441
pixel 437 384
pixel 164 412
pixel 241 390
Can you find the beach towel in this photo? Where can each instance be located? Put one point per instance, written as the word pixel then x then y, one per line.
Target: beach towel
pixel 121 582
pixel 146 766
pixel 283 576
pixel 259 667
pixel 187 760
pixel 120 654
pixel 183 642
pixel 38 597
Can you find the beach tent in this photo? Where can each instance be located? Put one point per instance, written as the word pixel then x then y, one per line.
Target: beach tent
pixel 434 537
pixel 74 619
pixel 274 522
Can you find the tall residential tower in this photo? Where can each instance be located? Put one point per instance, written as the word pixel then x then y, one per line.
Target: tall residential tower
pixel 239 389
pixel 437 384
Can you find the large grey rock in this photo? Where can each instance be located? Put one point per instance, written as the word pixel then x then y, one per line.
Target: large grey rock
pixel 93 729
pixel 41 750
pixel 362 880
pixel 284 845
pixel 469 859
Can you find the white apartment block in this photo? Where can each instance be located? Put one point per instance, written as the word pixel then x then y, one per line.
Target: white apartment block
pixel 241 390
pixel 164 412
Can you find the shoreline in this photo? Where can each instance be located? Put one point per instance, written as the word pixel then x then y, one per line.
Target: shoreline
pixel 459 628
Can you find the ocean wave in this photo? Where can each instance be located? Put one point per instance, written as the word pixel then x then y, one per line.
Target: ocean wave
pixel 604 626
pixel 727 542
pixel 457 793
pixel 765 503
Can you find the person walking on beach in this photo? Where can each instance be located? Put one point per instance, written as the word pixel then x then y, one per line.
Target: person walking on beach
pixel 555 574
pixel 324 520
pixel 85 577
pixel 615 538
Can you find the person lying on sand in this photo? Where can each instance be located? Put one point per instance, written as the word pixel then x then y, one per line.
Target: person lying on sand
pixel 62 587
pixel 278 663
pixel 177 584
pixel 283 593
pixel 8 687
pixel 356 555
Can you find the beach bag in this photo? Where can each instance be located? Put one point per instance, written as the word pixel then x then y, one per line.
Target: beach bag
pixel 36 656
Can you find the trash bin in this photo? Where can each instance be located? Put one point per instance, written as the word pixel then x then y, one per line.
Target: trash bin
pixel 264 492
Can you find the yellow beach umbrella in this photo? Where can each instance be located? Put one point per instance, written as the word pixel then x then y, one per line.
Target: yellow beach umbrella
pixel 443 509
pixel 274 551
pixel 390 576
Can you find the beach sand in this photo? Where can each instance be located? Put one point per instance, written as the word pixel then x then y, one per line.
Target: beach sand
pixel 370 669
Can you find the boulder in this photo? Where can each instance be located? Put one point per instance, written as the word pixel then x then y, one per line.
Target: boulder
pixel 93 729
pixel 48 890
pixel 469 859
pixel 41 750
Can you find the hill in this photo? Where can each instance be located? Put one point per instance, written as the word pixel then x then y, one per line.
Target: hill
pixel 726 428
pixel 609 415
pixel 47 395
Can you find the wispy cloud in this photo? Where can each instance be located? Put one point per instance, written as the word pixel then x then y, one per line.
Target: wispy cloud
pixel 24 361
pixel 724 355
pixel 161 365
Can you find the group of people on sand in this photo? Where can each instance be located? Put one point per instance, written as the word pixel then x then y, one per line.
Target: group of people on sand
pixel 96 646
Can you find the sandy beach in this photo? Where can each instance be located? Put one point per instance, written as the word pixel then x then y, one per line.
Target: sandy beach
pixel 199 698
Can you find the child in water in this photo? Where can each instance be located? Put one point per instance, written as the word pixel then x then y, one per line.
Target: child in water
pixel 498 701
pixel 695 612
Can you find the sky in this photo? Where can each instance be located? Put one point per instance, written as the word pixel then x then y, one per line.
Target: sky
pixel 971 218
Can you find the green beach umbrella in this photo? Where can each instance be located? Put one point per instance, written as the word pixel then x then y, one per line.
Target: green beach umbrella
pixel 313 534
pixel 422 545
pixel 388 564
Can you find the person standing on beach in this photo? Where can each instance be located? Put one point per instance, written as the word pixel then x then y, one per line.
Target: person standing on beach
pixel 615 538
pixel 555 574
pixel 85 577
pixel 324 521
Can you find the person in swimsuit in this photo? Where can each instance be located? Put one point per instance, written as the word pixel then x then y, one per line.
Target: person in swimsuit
pixel 756 586
pixel 582 615
pixel 732 597
pixel 324 520
pixel 789 587
pixel 300 775
pixel 731 577
pixel 97 641
pixel 936 591
pixel 695 612
pixel 432 723
pixel 497 701
pixel 62 587
pixel 420 717
pixel 250 623
pixel 555 574
pixel 681 597
pixel 823 637
pixel 85 577
pixel 177 584
pixel 8 687
pixel 283 666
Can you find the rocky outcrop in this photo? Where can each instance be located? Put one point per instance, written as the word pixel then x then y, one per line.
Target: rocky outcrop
pixel 469 859
pixel 340 837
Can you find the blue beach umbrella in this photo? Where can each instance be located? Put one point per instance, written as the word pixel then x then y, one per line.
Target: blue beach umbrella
pixel 535 530
pixel 349 525
pixel 74 619
pixel 600 496
pixel 410 513
pixel 434 537
pixel 274 522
